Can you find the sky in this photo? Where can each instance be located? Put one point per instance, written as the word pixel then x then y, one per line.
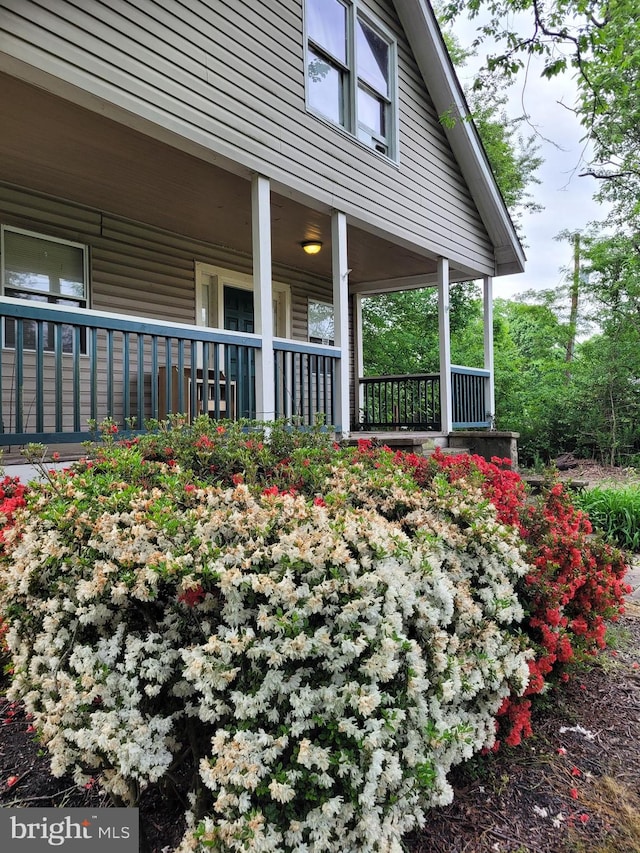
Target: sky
pixel 567 199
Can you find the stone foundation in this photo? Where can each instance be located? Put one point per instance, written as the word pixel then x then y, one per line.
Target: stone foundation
pixel 487 443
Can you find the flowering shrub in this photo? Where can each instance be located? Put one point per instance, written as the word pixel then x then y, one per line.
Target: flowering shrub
pixel 319 659
pixel 576 581
pixel 499 484
pixel 12 493
pixel 317 634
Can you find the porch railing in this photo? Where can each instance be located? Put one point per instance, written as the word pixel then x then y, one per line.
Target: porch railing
pixel 469 397
pixel 62 367
pixel 401 402
pixel 413 402
pixel 305 377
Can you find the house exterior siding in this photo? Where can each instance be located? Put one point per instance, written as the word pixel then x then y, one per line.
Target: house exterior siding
pixel 226 81
pixel 132 261
pixel 135 270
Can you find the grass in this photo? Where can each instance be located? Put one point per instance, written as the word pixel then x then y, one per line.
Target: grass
pixel 615 511
pixel 618 808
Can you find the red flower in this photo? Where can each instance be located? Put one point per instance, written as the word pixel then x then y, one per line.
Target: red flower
pixel 192 596
pixel 573 793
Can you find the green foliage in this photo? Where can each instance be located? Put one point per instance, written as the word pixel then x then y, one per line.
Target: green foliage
pixel 513 156
pixel 400 330
pixel 615 512
pixel 596 39
pixel 531 377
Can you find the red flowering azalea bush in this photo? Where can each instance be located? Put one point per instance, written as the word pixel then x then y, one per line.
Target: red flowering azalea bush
pixel 576 581
pixel 498 482
pixel 12 493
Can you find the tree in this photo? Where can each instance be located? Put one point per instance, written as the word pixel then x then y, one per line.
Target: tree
pixel 513 157
pixel 575 298
pixel 610 107
pixel 597 39
pixel 400 330
pixel 534 400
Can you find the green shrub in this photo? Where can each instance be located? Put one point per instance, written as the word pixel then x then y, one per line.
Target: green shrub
pixel 615 512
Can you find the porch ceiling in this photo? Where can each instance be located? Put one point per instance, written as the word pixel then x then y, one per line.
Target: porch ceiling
pixel 55 147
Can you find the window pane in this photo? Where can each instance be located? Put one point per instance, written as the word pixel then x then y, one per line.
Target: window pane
pixel 371 112
pixel 205 296
pixel 43 265
pixel 321 325
pixel 373 58
pixel 325 89
pixel 29 327
pixel 327 26
pixel 32 280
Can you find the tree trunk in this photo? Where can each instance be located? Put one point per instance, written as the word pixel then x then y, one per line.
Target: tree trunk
pixel 575 290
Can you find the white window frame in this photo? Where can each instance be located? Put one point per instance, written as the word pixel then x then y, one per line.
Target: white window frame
pixel 357 10
pixel 281 296
pixel 85 301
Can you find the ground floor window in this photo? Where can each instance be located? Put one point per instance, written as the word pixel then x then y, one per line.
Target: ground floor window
pixel 320 322
pixel 45 270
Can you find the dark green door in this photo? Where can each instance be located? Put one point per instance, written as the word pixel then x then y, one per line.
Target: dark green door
pixel 240 361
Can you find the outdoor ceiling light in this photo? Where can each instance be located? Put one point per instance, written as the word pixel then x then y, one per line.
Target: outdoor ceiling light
pixel 311 247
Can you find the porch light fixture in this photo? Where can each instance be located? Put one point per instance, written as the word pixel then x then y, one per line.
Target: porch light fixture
pixel 311 247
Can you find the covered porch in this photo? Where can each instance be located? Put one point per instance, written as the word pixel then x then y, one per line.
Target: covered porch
pixel 164 227
pixel 66 370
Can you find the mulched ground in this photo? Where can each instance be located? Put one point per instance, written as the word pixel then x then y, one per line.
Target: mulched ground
pixel 572 788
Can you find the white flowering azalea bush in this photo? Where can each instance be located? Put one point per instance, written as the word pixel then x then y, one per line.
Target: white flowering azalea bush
pixel 310 662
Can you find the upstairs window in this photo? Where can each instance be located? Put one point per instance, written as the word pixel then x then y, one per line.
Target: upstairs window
pixel 46 270
pixel 351 72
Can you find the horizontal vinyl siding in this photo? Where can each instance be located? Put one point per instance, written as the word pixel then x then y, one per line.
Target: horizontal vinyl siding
pixel 138 270
pixel 230 76
pixel 135 270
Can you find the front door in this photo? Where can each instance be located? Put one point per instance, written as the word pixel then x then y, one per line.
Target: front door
pixel 240 364
pixel 238 309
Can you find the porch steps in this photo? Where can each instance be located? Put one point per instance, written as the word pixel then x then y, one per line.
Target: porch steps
pixel 448 451
pixel 417 443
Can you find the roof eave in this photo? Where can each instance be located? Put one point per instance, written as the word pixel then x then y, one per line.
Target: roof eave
pixel 434 62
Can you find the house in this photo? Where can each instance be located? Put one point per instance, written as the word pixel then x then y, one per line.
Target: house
pixel 195 198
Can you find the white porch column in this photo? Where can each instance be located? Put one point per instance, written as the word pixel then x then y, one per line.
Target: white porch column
pixel 444 310
pixel 341 318
pixel 262 296
pixel 358 354
pixel 488 349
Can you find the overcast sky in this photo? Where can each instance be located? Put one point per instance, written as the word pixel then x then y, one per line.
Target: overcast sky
pixel 567 198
